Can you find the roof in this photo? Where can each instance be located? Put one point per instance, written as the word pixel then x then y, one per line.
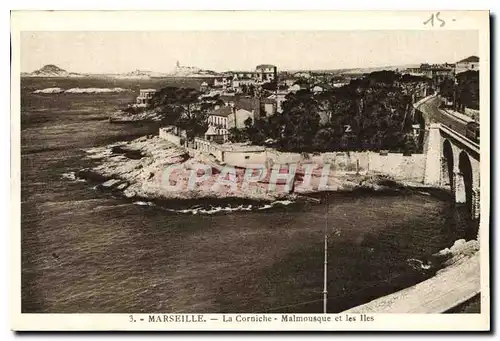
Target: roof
pixel 211 131
pixel 471 59
pixel 224 111
pixel 242 78
pixel 147 90
pixel 249 104
pixel 264 66
pixel 242 72
pixel 301 83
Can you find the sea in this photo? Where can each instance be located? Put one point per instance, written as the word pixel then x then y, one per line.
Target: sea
pixel 84 250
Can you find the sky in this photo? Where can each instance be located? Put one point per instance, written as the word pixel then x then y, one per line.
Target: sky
pixel 118 52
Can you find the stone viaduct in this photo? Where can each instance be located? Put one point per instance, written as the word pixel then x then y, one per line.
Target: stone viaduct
pixel 453 161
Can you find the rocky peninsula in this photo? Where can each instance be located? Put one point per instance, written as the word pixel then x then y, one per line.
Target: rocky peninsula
pixel 137 169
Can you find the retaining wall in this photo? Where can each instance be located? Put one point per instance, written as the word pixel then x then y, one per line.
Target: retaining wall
pixel 164 134
pixel 396 165
pixel 399 166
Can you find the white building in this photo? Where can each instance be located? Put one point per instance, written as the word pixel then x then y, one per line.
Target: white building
pixel 266 73
pixel 279 97
pixel 470 63
pixel 221 120
pixel 222 81
pixel 239 81
pixel 145 96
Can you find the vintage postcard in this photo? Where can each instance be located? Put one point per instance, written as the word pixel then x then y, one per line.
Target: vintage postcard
pixel 250 171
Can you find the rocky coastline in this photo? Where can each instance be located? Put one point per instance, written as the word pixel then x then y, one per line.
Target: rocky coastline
pixel 136 170
pixel 121 116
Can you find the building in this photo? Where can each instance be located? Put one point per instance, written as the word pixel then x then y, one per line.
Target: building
pixel 204 87
pixel 340 84
pixel 268 106
pixel 302 74
pixel 278 98
pixel 318 88
pixel 223 81
pixel 232 115
pixel 470 63
pixel 250 104
pixel 239 118
pixel 244 74
pixel 414 71
pixel 218 128
pixel 438 72
pixel 145 97
pixel 299 85
pixel 266 73
pixel 289 82
pixel 243 78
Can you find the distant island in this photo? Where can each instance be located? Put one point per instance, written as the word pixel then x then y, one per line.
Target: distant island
pixel 51 70
pixel 54 71
pixel 181 71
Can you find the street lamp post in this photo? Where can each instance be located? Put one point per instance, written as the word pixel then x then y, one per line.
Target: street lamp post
pixel 325 262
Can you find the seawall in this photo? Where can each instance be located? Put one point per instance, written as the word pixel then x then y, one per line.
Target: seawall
pixel 396 165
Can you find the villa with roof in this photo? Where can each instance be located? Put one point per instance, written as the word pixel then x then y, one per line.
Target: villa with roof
pixel 470 63
pixel 231 115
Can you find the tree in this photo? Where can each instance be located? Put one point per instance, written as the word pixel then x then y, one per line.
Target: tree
pixel 300 121
pixel 251 90
pixel 270 86
pixel 447 89
pixel 185 107
pixel 244 89
pixel 383 77
pixel 468 90
pixel 370 113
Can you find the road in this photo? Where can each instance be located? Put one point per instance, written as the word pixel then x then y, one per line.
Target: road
pixel 433 114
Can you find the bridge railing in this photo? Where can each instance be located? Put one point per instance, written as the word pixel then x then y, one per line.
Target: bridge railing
pixel 423 100
pixel 469 143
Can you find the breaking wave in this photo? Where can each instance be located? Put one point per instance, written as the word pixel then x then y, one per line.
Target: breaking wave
pixel 213 210
pixel 144 203
pixel 94 90
pixel 72 176
pixel 417 264
pixel 79 90
pixel 277 202
pixel 49 91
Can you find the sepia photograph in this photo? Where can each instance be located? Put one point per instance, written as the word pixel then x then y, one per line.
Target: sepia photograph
pixel 168 174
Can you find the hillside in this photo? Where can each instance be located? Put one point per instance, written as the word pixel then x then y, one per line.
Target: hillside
pixel 51 70
pixel 139 74
pixel 357 70
pixel 190 71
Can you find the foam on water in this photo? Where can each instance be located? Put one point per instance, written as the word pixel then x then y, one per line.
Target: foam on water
pixel 213 210
pixel 417 264
pixel 144 203
pixel 79 90
pixel 49 91
pixel 72 176
pixel 94 90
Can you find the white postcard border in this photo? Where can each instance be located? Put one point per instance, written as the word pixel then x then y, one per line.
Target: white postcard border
pixel 226 20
